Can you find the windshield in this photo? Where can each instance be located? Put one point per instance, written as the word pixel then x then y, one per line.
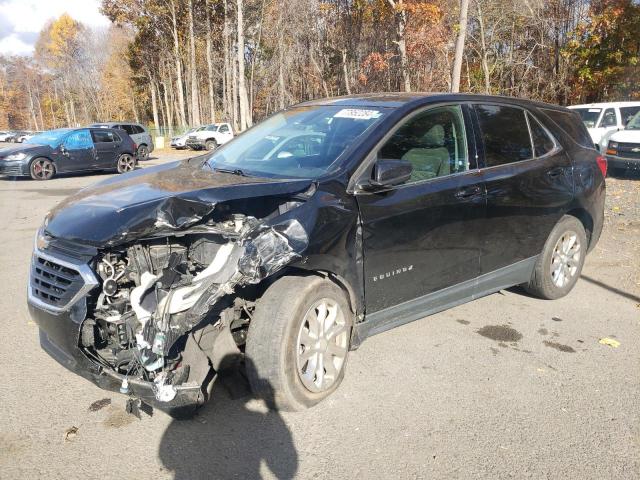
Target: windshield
pixel 589 116
pixel 52 138
pixel 302 142
pixel 634 123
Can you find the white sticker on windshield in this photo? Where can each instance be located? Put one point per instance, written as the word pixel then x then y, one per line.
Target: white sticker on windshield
pixel 595 110
pixel 357 114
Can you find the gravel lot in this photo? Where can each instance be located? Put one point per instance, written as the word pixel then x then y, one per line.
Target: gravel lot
pixel 504 387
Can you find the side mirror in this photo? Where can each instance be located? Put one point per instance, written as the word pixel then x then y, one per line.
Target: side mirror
pixel 389 173
pixel 63 150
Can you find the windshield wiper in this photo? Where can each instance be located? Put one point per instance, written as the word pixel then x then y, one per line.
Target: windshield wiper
pixel 233 171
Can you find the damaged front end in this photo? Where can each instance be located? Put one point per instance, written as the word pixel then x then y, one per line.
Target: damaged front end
pixel 166 310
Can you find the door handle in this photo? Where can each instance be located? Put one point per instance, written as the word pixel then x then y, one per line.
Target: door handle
pixel 467 192
pixel 555 172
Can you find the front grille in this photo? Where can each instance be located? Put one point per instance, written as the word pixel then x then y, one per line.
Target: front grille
pixel 625 150
pixel 57 284
pixel 10 170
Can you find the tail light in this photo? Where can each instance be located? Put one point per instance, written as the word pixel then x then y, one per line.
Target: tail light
pixel 135 147
pixel 602 164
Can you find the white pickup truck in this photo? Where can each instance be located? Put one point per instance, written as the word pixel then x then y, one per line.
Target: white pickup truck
pixel 210 137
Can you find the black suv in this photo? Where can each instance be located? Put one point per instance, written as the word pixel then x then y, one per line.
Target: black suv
pixel 327 223
pixel 69 150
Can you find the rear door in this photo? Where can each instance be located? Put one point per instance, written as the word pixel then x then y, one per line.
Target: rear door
pixel 78 152
pixel 423 236
pixel 106 147
pixel 529 183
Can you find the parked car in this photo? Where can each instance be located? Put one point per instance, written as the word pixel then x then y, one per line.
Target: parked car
pixel 26 136
pixel 6 136
pixel 623 148
pixel 138 133
pixel 69 150
pixel 604 119
pixel 404 205
pixel 210 137
pixel 180 142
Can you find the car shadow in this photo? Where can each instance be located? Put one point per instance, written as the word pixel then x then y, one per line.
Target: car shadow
pixel 629 174
pixel 230 437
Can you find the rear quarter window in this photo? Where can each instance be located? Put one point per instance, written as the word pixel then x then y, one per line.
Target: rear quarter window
pixel 571 124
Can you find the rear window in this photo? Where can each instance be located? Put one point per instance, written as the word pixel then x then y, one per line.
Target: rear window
pixel 505 134
pixel 572 125
pixel 137 129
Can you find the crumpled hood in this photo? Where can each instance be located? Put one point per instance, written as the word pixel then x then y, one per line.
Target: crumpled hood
pixel 169 197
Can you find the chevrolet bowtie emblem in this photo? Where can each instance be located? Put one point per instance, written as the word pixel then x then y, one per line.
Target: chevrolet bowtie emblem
pixel 636 149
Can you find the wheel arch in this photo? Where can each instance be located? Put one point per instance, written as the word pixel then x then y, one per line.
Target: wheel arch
pixel 586 219
pixel 44 157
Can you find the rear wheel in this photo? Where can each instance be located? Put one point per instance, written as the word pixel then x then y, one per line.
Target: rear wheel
pixel 126 163
pixel 559 266
pixel 42 169
pixel 143 152
pixel 297 346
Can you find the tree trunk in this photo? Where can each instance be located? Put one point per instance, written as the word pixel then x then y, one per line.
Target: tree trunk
pixel 457 59
pixel 345 73
pixel 176 53
pixel 400 17
pixel 195 103
pixel 483 52
pixel 212 105
pixel 154 103
pixel 245 114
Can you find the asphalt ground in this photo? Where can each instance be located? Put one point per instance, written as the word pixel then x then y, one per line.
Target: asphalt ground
pixel 505 387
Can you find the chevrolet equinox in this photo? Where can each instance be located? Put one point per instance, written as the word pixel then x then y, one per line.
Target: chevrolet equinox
pixel 327 223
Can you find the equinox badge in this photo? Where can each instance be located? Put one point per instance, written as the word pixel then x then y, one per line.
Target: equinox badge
pixel 392 273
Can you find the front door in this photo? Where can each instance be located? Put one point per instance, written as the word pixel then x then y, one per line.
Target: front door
pixel 529 185
pixel 77 152
pixel 106 148
pixel 422 237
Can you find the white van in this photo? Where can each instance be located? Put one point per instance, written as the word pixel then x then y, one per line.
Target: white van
pixel 604 119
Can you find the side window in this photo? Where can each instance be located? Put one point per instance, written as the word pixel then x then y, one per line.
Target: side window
pixel 224 129
pixel 78 140
pixel 542 142
pixel 433 141
pixel 505 134
pixel 627 113
pixel 102 136
pixel 127 128
pixel 608 118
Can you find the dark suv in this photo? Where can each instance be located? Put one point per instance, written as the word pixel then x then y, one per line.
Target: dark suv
pixel 68 150
pixel 327 223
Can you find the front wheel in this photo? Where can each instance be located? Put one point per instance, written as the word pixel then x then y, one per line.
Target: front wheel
pixel 559 265
pixel 42 169
pixel 297 346
pixel 126 163
pixel 211 145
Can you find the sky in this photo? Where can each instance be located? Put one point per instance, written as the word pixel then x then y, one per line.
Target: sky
pixel 22 20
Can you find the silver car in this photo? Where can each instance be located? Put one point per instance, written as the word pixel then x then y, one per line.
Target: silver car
pixel 138 134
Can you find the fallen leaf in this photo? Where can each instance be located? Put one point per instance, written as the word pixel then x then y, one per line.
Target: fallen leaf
pixel 610 342
pixel 70 433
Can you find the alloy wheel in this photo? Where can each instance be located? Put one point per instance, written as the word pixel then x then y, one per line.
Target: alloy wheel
pixel 565 259
pixel 126 163
pixel 42 169
pixel 322 345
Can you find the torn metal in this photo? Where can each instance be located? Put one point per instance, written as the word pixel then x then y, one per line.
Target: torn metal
pixel 155 292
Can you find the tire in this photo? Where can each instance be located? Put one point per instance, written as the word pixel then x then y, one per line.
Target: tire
pixel 42 169
pixel 143 152
pixel 211 145
pixel 274 357
pixel 559 265
pixel 126 163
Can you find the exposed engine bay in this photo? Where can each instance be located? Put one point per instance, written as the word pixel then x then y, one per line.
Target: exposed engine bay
pixel 157 292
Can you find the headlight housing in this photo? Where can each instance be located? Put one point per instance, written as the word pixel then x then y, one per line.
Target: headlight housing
pixel 612 148
pixel 16 156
